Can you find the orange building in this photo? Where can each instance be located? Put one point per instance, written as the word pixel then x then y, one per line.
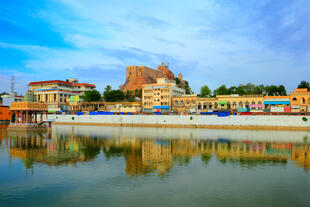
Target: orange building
pixel 4 113
pixel 300 100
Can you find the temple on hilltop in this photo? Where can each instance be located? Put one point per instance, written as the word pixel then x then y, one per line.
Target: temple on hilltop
pixel 136 76
pixel 25 114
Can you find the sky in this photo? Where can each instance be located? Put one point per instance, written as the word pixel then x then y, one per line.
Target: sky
pixel 211 42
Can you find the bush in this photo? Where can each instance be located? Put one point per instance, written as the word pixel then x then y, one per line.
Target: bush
pixel 304 119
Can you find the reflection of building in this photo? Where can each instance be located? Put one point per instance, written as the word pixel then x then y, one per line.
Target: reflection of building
pixel 145 156
pixel 301 155
pixel 157 96
pixel 156 155
pixel 37 147
pixel 57 93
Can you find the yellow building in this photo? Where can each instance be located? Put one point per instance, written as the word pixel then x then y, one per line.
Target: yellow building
pixel 157 96
pixel 230 102
pixel 57 93
pixel 25 114
pixel 300 100
pixel 184 103
pixel 125 107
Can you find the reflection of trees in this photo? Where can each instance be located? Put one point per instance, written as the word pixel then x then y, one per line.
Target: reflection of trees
pixel 205 158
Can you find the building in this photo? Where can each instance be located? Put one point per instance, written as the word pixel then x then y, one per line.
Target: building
pixel 232 102
pixel 137 76
pixel 25 114
pixel 184 103
pixel 7 99
pixel 156 97
pixel 118 107
pixel 57 93
pixel 4 114
pixel 277 103
pixel 300 100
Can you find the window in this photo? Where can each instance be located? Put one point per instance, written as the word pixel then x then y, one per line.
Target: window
pixel 199 105
pixel 247 104
pixel 182 102
pixel 193 101
pixel 176 103
pixel 215 105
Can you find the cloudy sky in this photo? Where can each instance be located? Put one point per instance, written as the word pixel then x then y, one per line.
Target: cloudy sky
pixel 210 42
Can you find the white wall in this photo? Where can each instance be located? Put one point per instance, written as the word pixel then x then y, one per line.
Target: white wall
pixel 291 121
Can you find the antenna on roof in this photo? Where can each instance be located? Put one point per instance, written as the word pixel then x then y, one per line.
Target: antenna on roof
pixel 12 84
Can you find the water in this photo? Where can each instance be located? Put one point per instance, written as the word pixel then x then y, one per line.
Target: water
pixel 113 166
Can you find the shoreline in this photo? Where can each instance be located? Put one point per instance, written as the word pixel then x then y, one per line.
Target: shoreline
pixel 249 127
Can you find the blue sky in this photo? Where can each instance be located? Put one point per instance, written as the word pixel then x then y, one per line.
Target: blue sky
pixel 210 42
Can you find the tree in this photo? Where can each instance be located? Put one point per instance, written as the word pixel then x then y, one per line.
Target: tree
pixel 114 95
pixel 188 90
pixel 282 90
pixel 108 88
pixel 177 81
pixel 304 84
pixel 205 91
pixel 222 90
pixel 91 95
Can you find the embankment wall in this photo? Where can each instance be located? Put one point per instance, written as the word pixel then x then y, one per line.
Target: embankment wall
pixel 190 121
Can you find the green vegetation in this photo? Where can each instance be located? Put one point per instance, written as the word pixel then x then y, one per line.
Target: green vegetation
pixel 113 95
pixel 304 119
pixel 205 91
pixel 117 95
pixel 251 89
pixel 91 95
pixel 304 84
pixel 183 85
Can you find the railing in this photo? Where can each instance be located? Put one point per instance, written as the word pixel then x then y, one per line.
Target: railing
pixel 28 105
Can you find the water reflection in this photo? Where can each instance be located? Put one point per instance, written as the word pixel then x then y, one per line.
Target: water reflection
pixel 143 155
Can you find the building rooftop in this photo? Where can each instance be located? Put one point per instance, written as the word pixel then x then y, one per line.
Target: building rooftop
pixel 61 82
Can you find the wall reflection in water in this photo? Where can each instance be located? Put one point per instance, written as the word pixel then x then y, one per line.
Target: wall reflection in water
pixel 150 154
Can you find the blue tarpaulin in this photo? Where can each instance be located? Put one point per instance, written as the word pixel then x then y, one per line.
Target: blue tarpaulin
pixel 105 113
pixel 222 114
pixel 80 113
pixel 161 107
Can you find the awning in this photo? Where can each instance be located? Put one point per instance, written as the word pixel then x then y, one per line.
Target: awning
pixel 276 102
pixel 256 106
pixel 161 107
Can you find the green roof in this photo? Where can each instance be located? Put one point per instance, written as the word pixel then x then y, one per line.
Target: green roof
pixel 223 102
pixel 29 97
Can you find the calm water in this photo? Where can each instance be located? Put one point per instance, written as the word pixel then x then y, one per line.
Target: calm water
pixel 112 166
